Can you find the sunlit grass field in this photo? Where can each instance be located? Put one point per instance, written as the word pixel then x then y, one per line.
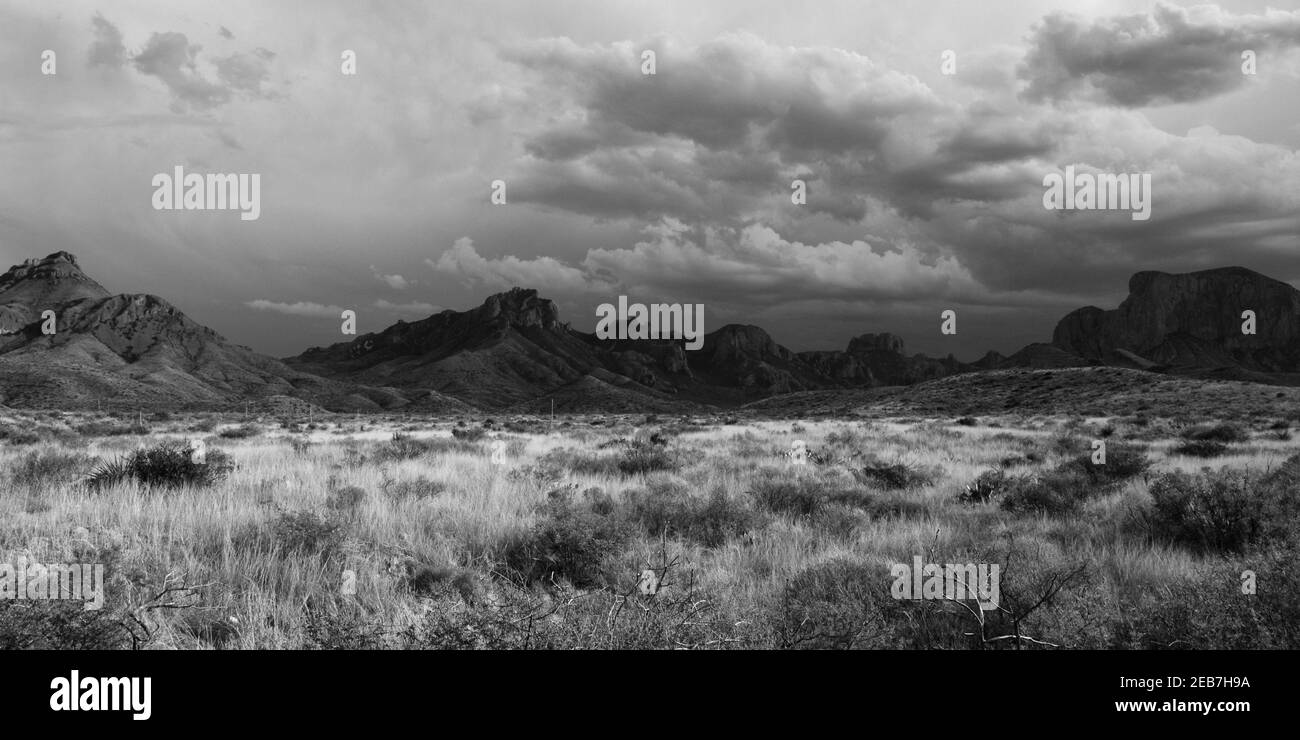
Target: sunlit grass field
pixel 642 532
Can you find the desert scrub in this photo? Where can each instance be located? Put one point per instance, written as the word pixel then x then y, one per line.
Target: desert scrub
pixel 243 431
pixel 469 434
pixel 1200 448
pixel 1065 488
pixel 802 494
pixel 1225 432
pixel 301 533
pixel 984 488
pixel 666 507
pixel 568 540
pixel 38 469
pixel 110 429
pixel 164 466
pixel 1208 611
pixel 414 488
pixel 1218 510
pixel 893 475
pixel 643 457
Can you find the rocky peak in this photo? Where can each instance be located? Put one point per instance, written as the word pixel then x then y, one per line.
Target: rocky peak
pixel 520 307
pixel 884 341
pixel 40 284
pixel 742 340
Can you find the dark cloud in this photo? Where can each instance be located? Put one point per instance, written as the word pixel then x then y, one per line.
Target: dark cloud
pixel 225 33
pixel 722 129
pixel 946 195
pixel 171 58
pixel 1172 55
pixel 107 49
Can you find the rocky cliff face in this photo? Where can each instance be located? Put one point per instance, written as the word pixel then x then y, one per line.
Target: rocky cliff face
pixel 519 308
pixel 43 284
pixel 1192 319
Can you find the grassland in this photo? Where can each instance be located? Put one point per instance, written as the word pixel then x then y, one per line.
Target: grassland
pixel 469 532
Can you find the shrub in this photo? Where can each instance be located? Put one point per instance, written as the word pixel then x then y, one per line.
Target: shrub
pixel 1122 462
pixel 167 465
pixel 345 627
pixel 567 541
pixel 893 475
pixel 1057 492
pixel 986 486
pixel 346 499
pixel 968 421
pixel 844 604
pixel 418 489
pixel 1225 432
pixel 36 469
pixel 469 434
pixel 307 533
pixel 62 625
pixel 799 496
pixel 1063 489
pixel 1201 448
pixel 667 507
pixel 110 429
pixel 401 447
pixel 1218 511
pixel 243 431
pixel 644 457
pixel 19 436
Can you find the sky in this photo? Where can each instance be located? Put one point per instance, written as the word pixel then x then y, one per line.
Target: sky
pixel 925 185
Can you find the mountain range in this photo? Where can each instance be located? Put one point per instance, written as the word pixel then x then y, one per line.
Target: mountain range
pixel 514 354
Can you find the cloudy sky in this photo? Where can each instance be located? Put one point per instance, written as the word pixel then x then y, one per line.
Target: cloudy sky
pixel 924 190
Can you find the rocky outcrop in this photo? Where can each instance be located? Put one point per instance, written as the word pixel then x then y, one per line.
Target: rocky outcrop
pixel 884 342
pixel 38 285
pixel 842 367
pixel 1192 320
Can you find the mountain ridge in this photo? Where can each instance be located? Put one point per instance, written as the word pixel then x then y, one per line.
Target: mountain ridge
pixel 513 351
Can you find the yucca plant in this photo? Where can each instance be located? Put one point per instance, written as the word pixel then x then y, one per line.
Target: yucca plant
pixel 167 465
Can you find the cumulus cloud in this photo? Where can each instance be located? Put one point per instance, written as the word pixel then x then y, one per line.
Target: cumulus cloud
pixel 414 308
pixel 1171 55
pixel 107 49
pixel 722 136
pixel 464 262
pixel 301 308
pixel 756 260
pixel 396 282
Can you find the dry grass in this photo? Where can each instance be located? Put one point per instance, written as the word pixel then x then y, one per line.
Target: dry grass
pixel 433 535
